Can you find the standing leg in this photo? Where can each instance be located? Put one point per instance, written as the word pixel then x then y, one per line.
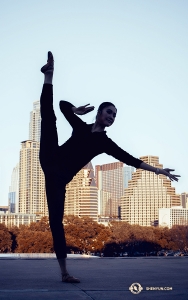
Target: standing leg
pixel 55 191
pixel 56 197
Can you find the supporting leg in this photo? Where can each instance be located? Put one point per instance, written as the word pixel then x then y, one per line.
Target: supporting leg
pixel 55 190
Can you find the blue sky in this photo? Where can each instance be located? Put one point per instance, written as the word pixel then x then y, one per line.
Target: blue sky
pixel 132 53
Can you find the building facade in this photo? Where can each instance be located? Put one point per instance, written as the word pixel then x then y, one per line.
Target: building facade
pixel 127 175
pixel 4 209
pixel 176 215
pixel 32 193
pixel 35 122
pixel 13 194
pixel 12 219
pixel 82 195
pixel 184 200
pixel 109 180
pixel 146 193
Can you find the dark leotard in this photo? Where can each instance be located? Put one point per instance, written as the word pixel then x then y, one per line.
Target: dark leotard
pixel 61 163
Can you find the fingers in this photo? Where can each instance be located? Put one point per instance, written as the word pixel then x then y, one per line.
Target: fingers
pixel 173 178
pixel 169 170
pixel 87 110
pixel 89 107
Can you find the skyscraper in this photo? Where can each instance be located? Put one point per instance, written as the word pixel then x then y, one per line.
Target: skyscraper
pixel 13 194
pixel 32 194
pixel 146 193
pixel 35 121
pixel 82 195
pixel 109 179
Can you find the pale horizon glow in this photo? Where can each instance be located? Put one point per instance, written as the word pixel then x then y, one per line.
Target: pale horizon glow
pixel 131 53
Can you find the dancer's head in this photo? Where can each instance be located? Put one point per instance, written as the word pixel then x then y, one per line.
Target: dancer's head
pixel 106 114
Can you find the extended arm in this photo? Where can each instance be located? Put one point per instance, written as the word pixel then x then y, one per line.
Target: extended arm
pixel 114 150
pixel 157 171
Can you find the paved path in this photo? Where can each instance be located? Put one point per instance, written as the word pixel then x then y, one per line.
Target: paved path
pixel 101 278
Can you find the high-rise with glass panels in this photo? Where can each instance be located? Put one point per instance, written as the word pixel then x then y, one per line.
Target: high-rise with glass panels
pixel 109 179
pixel 13 194
pixel 146 193
pixel 127 175
pixel 82 195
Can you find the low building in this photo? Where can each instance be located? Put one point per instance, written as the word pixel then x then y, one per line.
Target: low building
pixel 176 215
pixel 106 220
pixel 4 209
pixel 16 219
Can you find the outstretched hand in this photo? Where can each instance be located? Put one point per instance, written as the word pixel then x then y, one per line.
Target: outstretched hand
pixel 82 110
pixel 167 171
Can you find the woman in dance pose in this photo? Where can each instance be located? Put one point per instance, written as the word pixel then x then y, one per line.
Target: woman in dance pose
pixel 61 163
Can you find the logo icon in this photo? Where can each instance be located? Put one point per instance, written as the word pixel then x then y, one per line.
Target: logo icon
pixel 135 288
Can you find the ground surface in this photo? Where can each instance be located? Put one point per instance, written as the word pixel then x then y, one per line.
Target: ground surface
pixel 101 278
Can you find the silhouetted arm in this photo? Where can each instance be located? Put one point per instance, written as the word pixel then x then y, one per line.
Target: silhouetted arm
pixel 123 156
pixel 113 149
pixel 68 110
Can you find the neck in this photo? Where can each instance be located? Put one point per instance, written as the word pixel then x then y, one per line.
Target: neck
pixel 97 127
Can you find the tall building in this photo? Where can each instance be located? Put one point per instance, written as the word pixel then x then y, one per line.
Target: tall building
pixel 184 200
pixel 82 195
pixel 32 194
pixel 146 193
pixel 13 194
pixel 127 175
pixel 176 215
pixel 109 179
pixel 35 121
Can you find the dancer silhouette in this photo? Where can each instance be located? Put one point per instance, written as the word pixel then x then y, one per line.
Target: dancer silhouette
pixel 61 163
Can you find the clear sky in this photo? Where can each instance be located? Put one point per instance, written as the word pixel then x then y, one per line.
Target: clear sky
pixel 133 53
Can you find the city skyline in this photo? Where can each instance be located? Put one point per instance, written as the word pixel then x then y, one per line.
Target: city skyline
pixel 129 53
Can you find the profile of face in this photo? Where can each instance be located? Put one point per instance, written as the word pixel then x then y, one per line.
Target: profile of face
pixel 106 116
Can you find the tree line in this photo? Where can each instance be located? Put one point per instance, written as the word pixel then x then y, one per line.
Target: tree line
pixel 83 235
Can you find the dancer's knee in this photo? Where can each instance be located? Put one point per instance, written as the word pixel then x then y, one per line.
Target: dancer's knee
pixel 56 223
